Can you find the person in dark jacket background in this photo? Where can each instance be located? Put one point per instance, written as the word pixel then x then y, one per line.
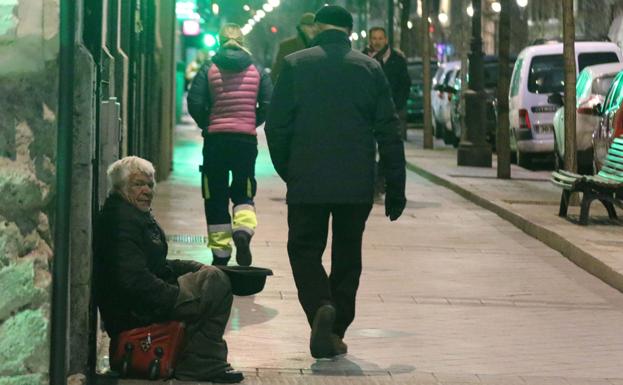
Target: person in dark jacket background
pixel 305 33
pixel 395 68
pixel 136 285
pixel 330 105
pixel 228 99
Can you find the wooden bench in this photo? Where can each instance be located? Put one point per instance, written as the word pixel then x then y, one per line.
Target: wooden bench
pixel 607 186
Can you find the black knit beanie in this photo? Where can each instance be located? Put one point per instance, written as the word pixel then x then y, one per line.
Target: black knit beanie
pixel 334 15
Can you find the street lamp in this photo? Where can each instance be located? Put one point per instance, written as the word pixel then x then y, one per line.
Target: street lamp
pixel 473 148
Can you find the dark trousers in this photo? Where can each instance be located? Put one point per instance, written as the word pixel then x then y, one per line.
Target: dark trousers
pixel 307 239
pixel 204 304
pixel 220 157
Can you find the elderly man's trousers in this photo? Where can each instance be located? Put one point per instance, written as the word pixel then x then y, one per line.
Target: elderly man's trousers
pixel 307 239
pixel 204 304
pixel 220 158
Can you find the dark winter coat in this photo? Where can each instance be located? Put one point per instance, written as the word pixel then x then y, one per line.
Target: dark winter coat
pixel 286 47
pixel 395 68
pixel 234 61
pixel 329 106
pixel 135 284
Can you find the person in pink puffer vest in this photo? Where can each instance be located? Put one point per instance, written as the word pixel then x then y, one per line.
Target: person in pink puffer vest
pixel 228 99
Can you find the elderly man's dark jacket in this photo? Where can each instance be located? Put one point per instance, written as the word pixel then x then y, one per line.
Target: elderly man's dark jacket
pixel 329 106
pixel 135 284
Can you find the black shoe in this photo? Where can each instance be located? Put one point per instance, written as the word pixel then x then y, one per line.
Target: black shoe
pixel 242 240
pixel 216 261
pixel 229 377
pixel 320 343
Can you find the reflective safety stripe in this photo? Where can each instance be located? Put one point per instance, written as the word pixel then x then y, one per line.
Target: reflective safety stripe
pixel 205 186
pixel 245 218
pixel 219 240
pixel 249 188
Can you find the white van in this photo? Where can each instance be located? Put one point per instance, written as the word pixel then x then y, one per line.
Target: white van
pixel 539 72
pixel 440 98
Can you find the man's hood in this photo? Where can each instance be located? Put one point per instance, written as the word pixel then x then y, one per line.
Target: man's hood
pixel 231 59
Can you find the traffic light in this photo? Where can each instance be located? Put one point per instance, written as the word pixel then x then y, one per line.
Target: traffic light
pixel 273 29
pixel 209 40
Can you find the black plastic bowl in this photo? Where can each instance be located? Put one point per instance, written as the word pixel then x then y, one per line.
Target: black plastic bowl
pixel 246 280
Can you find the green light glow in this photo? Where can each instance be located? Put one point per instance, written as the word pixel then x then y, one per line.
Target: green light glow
pixel 209 40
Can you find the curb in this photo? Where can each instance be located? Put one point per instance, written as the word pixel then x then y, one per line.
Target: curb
pixel 575 254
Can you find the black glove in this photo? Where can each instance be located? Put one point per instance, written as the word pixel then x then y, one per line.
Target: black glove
pixel 394 207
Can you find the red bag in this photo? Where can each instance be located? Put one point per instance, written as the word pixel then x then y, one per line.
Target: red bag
pixel 147 352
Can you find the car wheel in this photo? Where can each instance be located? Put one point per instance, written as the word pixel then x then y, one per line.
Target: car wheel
pixel 437 129
pixel 585 162
pixel 524 159
pixel 448 136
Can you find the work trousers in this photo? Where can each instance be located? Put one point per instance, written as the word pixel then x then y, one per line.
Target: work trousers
pixel 204 304
pixel 307 239
pixel 220 158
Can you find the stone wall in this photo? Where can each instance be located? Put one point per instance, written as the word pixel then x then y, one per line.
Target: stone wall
pixel 28 104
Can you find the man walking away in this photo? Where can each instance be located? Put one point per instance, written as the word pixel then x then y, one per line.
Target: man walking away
pixel 330 105
pixel 305 32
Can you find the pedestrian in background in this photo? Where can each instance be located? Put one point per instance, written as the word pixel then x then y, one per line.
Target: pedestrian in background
pixel 193 67
pixel 395 68
pixel 331 106
pixel 305 33
pixel 228 99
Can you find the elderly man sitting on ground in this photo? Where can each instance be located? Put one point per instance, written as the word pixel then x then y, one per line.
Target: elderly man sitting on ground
pixel 136 285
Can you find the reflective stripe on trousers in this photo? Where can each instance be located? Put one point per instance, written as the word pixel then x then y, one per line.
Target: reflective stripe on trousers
pixel 219 240
pixel 245 219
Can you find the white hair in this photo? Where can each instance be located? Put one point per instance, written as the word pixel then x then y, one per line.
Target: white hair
pixel 119 171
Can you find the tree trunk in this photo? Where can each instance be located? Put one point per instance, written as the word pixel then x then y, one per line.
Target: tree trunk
pixel 503 134
pixel 569 99
pixel 426 57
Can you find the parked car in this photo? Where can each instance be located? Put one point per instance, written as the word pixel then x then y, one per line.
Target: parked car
pixel 490 85
pixel 538 73
pixel 611 122
pixel 590 91
pixel 440 96
pixel 415 103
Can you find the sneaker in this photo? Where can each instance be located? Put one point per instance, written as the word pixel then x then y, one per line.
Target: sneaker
pixel 339 347
pixel 242 240
pixel 320 342
pixel 228 377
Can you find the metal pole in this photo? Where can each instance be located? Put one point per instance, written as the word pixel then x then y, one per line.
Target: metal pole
pixel 60 263
pixel 474 149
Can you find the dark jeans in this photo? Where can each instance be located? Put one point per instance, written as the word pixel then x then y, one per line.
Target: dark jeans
pixel 307 239
pixel 220 157
pixel 204 304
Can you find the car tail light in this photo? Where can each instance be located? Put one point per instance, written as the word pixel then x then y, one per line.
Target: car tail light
pixel 618 124
pixel 586 111
pixel 524 119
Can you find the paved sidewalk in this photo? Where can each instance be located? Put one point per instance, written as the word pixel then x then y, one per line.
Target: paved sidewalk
pixel 531 202
pixel 450 293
